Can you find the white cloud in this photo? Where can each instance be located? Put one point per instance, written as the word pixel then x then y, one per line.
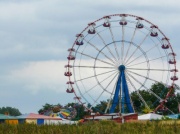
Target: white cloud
pixel 38 76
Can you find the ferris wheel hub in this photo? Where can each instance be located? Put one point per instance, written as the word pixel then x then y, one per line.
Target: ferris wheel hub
pixel 121 68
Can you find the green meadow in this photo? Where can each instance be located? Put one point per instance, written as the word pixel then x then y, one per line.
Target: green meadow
pixel 92 127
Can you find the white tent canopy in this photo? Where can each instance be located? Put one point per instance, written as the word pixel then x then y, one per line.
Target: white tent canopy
pixel 150 116
pixel 62 121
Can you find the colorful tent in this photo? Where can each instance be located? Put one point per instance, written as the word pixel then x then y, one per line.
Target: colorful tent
pixel 37 118
pixel 8 119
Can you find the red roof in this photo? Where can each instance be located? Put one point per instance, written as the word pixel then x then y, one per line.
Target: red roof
pixel 37 116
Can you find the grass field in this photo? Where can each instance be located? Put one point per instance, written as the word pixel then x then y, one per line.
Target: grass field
pixel 102 127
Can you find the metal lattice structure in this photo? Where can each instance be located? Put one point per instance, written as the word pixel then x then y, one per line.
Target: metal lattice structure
pixel 116 55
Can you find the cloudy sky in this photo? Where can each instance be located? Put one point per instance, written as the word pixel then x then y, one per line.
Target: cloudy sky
pixel 35 36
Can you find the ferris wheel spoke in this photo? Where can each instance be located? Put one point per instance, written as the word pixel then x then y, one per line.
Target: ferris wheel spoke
pixel 85 91
pixel 169 110
pixel 77 84
pixel 99 50
pixel 142 54
pixel 114 43
pixel 145 87
pixel 148 69
pixel 98 83
pixel 104 89
pixel 122 46
pixel 95 58
pixel 137 91
pixel 94 75
pixel 148 61
pixel 110 99
pixel 110 82
pixel 143 76
pixel 95 67
pixel 97 99
pixel 84 87
pixel 137 48
pixel 130 44
pixel 107 46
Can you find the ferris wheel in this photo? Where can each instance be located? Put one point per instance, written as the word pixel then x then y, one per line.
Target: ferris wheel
pixel 117 55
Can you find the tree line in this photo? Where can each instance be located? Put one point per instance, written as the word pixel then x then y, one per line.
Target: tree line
pixel 171 106
pixel 10 111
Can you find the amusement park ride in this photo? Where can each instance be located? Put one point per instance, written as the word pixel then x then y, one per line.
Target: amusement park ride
pixel 117 55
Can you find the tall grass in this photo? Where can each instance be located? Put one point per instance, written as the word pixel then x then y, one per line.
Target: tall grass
pixel 101 127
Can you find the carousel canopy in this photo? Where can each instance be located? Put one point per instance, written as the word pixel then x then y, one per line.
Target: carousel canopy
pixel 150 116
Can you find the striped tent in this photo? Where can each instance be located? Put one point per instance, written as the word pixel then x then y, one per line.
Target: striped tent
pixel 36 118
pixel 8 119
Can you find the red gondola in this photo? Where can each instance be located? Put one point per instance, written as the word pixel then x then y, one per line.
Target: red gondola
pixel 68 74
pixel 91 31
pixel 165 47
pixel 139 23
pixel 174 78
pixel 123 23
pixel 172 62
pixel 123 20
pixel 69 82
pixel 172 58
pixel 70 66
pixel 165 43
pixel 139 26
pixel 71 49
pixel 91 28
pixel 79 39
pixel 106 23
pixel 154 31
pixel 70 57
pixel 174 70
pixel 79 43
pixel 71 54
pixel 70 90
pixel 154 34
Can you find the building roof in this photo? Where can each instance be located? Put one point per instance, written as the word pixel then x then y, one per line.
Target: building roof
pixel 107 116
pixel 150 116
pixel 5 117
pixel 173 116
pixel 37 116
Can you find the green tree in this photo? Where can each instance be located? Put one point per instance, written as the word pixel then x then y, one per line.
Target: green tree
pixel 10 110
pixel 152 101
pixel 79 108
pixel 101 107
pixel 50 107
pixel 45 107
